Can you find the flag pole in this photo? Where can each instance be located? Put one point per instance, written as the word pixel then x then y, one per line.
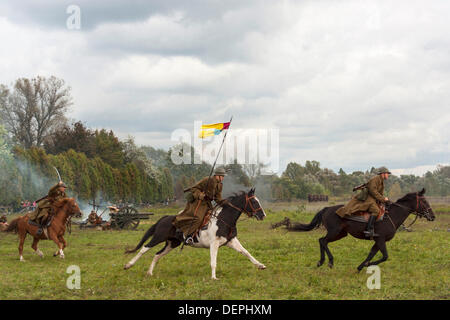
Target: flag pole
pixel 209 177
pixel 218 153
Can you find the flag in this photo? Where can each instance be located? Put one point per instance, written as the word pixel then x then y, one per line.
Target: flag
pixel 208 130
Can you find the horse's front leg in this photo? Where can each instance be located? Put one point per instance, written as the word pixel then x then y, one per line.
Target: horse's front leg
pixel 53 236
pixel 213 248
pixel 381 243
pixel 236 245
pixel 63 241
pixel 36 249
pixel 372 254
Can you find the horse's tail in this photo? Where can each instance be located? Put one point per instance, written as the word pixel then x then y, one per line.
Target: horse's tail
pixel 315 223
pixel 13 226
pixel 147 235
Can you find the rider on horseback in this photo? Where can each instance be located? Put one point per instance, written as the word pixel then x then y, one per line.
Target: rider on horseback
pixel 199 203
pixel 375 191
pixel 41 214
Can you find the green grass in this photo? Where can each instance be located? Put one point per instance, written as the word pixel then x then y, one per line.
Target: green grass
pixel 418 265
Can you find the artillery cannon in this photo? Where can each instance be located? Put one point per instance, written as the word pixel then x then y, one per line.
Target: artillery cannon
pixel 125 217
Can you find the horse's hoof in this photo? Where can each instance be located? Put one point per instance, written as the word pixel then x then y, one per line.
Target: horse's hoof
pixel 261 267
pixel 127 266
pixel 214 278
pixel 319 264
pixel 40 254
pixel 148 274
pixel 330 265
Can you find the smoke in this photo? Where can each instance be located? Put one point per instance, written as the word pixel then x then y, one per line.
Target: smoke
pixel 263 190
pixel 36 185
pixel 86 206
pixel 30 173
pixel 230 187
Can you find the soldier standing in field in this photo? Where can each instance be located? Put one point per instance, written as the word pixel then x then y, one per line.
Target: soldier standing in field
pixel 41 214
pixel 370 202
pixel 198 204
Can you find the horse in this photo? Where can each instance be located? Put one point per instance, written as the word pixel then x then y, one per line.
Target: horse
pixel 220 230
pixel 338 228
pixel 64 210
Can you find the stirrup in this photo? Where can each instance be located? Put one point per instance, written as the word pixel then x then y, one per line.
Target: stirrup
pixel 189 240
pixel 370 234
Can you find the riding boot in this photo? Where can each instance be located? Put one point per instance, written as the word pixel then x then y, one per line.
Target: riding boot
pixel 43 221
pixel 370 230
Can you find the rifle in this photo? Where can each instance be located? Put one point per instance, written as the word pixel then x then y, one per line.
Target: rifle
pixel 360 187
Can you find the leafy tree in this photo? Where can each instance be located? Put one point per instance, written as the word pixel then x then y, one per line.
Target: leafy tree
pixel 34 108
pixel 109 148
pixel 77 137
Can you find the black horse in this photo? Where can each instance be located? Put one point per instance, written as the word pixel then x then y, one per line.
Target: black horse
pixel 338 228
pixel 221 230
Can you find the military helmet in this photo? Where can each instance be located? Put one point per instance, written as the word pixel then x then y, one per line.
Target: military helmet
pixel 62 184
pixel 220 172
pixel 383 170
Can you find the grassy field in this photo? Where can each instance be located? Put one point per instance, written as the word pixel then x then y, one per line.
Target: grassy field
pixel 418 265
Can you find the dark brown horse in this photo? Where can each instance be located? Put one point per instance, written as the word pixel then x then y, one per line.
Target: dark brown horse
pixel 64 209
pixel 338 228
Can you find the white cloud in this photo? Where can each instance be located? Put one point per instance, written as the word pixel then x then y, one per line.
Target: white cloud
pixel 352 84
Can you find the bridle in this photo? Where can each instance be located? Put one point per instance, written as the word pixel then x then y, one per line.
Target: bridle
pixel 249 214
pixel 419 210
pixel 247 202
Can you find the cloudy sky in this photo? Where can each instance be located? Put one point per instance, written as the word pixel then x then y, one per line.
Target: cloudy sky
pixel 351 84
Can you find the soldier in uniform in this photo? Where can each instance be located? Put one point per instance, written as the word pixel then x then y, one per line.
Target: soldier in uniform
pixel 375 188
pixel 93 218
pixel 41 213
pixel 199 203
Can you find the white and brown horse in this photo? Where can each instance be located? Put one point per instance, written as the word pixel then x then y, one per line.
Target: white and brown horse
pixel 63 210
pixel 220 230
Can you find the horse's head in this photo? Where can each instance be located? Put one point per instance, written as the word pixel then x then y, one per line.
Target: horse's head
pixel 252 206
pixel 419 204
pixel 423 207
pixel 70 206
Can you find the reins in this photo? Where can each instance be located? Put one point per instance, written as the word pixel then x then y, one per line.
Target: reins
pixel 247 202
pixel 249 214
pixel 409 210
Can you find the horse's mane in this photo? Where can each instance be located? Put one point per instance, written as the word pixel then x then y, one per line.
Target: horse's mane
pixel 61 202
pixel 236 195
pixel 407 197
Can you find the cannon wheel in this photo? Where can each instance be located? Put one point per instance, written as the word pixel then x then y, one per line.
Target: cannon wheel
pixel 124 219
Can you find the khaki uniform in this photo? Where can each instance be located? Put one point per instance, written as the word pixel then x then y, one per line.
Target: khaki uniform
pixel 44 205
pixel 191 218
pixel 93 218
pixel 375 187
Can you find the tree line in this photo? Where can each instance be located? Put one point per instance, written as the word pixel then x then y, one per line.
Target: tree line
pixel 36 136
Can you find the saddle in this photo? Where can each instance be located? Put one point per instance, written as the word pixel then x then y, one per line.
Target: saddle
pixel 40 226
pixel 203 226
pixel 363 216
